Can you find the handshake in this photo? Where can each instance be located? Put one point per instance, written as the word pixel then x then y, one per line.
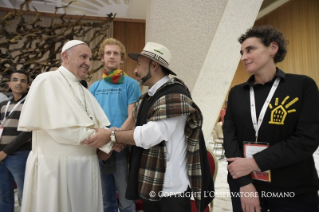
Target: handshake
pixel 105 140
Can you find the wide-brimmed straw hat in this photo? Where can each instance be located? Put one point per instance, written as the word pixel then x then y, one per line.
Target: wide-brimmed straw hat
pixel 156 52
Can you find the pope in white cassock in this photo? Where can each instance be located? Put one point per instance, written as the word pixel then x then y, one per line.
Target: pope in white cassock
pixel 61 174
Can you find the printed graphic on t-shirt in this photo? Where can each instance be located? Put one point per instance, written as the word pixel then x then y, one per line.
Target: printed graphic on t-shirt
pixel 279 113
pixel 109 91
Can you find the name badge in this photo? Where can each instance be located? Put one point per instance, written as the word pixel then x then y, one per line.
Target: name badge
pixel 251 148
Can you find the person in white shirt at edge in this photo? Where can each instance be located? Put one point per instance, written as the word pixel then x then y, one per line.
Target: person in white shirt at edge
pixel 62 174
pixel 168 152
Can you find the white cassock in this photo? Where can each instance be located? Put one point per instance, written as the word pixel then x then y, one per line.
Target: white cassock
pixel 61 174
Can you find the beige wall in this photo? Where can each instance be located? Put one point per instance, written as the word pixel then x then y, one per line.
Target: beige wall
pixel 202 39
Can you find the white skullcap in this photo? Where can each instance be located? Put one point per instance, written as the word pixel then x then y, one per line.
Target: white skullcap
pixel 70 44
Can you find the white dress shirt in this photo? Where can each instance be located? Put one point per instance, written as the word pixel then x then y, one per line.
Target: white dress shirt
pixel 171 130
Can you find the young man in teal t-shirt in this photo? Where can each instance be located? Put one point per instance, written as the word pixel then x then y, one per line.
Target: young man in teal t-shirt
pixel 116 93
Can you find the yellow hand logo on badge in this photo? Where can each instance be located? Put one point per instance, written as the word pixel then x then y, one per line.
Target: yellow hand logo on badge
pixel 278 114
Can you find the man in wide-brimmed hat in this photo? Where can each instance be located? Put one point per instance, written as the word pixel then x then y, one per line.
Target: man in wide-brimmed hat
pixel 169 154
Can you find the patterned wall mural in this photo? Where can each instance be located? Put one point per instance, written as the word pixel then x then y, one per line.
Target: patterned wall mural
pixel 29 44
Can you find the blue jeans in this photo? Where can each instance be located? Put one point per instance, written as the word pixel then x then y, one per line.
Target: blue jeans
pixel 12 169
pixel 113 182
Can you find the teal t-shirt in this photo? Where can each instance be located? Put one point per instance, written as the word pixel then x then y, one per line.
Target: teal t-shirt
pixel 115 98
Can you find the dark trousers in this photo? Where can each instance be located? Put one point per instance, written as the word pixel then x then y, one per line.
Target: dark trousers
pixel 307 203
pixel 235 200
pixel 170 204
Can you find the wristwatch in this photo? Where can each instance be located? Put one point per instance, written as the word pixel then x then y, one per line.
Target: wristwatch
pixel 113 139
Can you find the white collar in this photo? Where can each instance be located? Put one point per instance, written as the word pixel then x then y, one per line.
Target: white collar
pixel 68 74
pixel 157 85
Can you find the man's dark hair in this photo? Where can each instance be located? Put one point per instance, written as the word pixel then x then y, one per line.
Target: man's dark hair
pixel 20 72
pixel 165 70
pixel 267 35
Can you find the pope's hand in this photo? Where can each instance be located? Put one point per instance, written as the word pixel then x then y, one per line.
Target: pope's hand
pixel 99 139
pixel 118 147
pixel 103 156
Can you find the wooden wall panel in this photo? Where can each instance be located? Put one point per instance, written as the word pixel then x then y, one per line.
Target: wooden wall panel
pixel 132 35
pixel 131 32
pixel 299 21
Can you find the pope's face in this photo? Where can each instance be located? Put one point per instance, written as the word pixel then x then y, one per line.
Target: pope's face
pixel 78 60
